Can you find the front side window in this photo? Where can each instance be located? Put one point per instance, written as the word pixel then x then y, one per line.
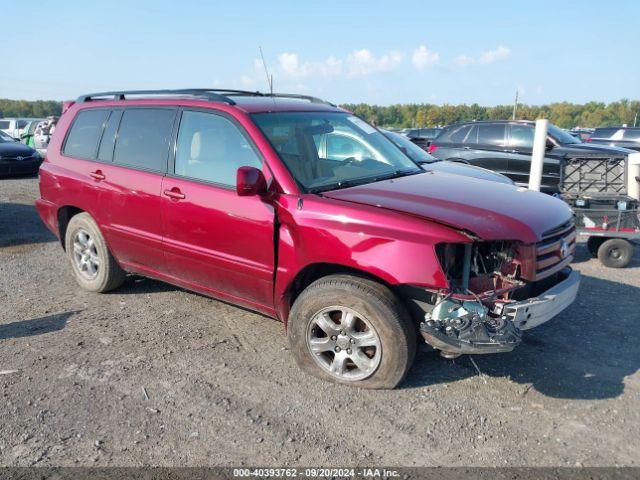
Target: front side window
pixel 85 133
pixel 211 148
pixel 357 153
pixel 143 138
pixel 521 136
pixel 631 134
pixel 562 137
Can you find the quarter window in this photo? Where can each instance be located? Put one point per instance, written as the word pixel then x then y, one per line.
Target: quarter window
pixel 143 138
pixel 212 148
pixel 85 133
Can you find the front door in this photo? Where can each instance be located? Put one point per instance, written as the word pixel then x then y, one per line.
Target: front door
pixel 521 147
pixel 214 240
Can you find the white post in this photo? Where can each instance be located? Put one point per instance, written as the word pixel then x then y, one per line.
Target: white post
pixel 537 156
pixel 633 172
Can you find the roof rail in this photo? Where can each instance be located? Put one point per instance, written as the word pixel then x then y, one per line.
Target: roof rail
pixel 213 94
pixel 301 97
pixel 206 93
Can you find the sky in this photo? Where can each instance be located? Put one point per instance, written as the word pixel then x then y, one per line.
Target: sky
pixel 345 51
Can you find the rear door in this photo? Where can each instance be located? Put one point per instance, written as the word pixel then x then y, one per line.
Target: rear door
pixel 486 144
pixel 134 154
pixel 216 241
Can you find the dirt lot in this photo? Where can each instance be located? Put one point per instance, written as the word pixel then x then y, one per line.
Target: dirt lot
pixel 154 375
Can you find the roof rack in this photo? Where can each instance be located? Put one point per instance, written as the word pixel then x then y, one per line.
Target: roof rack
pixel 213 94
pixel 206 93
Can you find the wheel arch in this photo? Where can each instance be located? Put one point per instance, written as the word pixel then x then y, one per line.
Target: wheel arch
pixel 314 271
pixel 64 216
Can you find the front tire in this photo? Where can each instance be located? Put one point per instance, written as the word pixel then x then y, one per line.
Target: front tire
pixel 93 266
pixel 353 331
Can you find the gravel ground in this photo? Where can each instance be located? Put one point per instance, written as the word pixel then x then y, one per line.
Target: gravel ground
pixel 154 375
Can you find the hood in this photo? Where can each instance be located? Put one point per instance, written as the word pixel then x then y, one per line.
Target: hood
pixel 591 149
pixel 15 149
pixel 490 210
pixel 458 168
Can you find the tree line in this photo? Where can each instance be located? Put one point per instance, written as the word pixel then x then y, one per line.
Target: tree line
pixel 25 108
pixel 563 114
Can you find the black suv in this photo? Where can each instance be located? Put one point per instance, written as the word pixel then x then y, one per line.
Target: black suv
pixel 626 137
pixel 505 147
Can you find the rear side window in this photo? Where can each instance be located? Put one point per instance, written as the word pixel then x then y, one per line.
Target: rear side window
pixel 105 153
pixel 143 138
pixel 4 125
pixel 212 148
pixel 85 133
pixel 491 134
pixel 604 132
pixel 632 134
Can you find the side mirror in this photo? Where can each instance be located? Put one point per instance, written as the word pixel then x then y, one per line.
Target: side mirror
pixel 549 145
pixel 16 139
pixel 250 181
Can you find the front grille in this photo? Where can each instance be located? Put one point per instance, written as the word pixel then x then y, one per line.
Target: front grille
pixel 556 250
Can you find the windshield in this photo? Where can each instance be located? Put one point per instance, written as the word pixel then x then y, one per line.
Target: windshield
pixel 4 138
pixel 413 151
pixel 561 136
pixel 330 150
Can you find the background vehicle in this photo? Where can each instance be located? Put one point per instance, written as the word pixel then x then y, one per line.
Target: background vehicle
pixel 422 136
pixel 626 137
pixel 505 147
pixel 431 163
pixel 17 158
pixel 14 126
pixel 237 195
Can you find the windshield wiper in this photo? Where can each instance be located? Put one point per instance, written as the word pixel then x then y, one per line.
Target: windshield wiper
pixel 363 180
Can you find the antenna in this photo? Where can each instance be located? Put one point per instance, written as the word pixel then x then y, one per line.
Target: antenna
pixel 266 71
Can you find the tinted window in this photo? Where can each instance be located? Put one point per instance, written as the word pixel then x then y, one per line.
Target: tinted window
pixel 604 132
pixel 4 125
pixel 212 148
pixel 105 153
pixel 491 133
pixel 83 138
pixel 143 138
pixel 522 136
pixel 460 134
pixel 632 134
pixel 21 123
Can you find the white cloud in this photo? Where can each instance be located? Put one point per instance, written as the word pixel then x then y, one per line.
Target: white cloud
pixel 489 56
pixel 292 67
pixel 423 58
pixel 499 53
pixel 363 62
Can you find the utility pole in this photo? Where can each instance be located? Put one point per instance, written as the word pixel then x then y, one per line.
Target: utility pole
pixel 635 119
pixel 515 105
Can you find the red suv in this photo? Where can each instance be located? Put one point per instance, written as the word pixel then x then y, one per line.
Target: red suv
pixel 300 210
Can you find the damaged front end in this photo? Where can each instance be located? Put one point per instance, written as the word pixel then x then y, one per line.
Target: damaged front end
pixel 470 317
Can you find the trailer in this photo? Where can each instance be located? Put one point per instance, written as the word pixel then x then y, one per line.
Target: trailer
pixel 604 193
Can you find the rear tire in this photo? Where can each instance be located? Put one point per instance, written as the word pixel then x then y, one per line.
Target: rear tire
pixel 360 332
pixel 615 253
pixel 93 266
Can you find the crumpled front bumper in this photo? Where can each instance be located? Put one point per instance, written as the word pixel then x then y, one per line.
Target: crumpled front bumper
pixel 532 312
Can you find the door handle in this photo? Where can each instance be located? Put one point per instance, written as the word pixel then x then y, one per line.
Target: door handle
pixel 97 175
pixel 174 194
